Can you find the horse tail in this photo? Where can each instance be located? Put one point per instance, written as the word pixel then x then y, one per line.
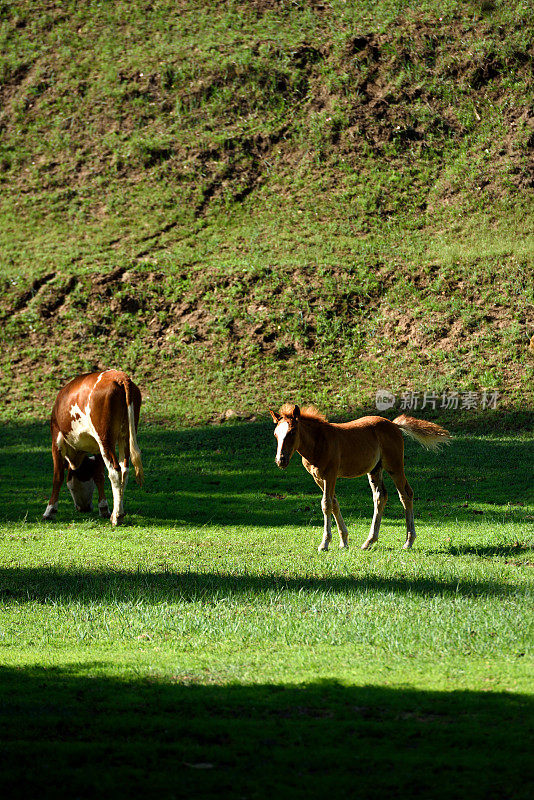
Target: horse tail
pixel 428 434
pixel 135 452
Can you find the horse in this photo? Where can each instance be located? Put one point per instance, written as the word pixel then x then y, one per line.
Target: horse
pixel 92 415
pixel 348 450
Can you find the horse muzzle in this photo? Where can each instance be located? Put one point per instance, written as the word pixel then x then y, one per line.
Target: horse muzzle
pixel 282 462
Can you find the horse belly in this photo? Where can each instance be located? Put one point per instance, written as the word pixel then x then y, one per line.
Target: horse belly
pixel 359 461
pixel 355 472
pixel 84 443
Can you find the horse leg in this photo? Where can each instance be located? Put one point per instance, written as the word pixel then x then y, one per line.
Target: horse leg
pixel 116 479
pixel 340 522
pixel 406 497
pixel 326 508
pixel 124 460
pixel 380 497
pixel 59 474
pixel 341 527
pixel 103 508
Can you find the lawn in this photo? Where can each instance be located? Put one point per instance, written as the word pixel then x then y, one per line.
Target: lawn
pixel 206 648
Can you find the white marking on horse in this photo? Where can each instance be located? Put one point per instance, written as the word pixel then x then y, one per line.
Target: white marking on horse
pixel 281 433
pixel 81 492
pixel 50 511
pixel 83 435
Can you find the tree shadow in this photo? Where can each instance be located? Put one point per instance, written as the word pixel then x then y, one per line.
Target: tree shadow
pixel 75 733
pixel 226 474
pixel 56 584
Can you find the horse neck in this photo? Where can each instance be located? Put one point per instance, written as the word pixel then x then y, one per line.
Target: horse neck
pixel 311 436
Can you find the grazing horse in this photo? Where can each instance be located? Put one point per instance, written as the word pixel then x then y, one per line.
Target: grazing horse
pixel 91 416
pixel 347 450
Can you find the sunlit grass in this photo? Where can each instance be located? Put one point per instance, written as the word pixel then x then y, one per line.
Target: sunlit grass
pixel 217 557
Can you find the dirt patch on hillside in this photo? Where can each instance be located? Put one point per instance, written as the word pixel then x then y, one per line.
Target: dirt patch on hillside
pixel 420 86
pixel 403 117
pixel 159 325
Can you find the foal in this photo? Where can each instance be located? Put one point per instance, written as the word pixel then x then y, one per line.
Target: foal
pixel 347 450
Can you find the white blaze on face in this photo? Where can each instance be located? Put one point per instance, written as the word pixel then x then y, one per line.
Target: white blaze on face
pixel 81 492
pixel 281 433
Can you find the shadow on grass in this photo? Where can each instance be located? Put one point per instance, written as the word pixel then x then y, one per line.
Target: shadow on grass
pixel 68 734
pixel 491 552
pixel 226 475
pixel 52 584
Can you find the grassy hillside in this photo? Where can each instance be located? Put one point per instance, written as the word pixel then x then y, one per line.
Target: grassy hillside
pixel 247 202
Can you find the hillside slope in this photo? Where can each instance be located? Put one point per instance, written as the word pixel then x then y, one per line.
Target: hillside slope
pixel 246 202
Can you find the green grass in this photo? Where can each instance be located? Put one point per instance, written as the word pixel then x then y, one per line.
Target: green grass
pixel 334 190
pixel 209 631
pixel 168 739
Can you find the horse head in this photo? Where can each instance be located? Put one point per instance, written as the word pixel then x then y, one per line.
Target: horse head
pixel 81 483
pixel 286 433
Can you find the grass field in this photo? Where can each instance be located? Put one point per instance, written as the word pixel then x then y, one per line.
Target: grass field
pixel 235 196
pixel 242 203
pixel 207 647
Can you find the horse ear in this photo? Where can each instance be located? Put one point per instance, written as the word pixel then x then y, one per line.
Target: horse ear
pixel 296 413
pixel 276 417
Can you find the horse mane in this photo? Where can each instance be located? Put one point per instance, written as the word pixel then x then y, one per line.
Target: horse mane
pixel 308 412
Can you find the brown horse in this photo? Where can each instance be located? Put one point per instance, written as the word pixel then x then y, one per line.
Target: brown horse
pixel 347 450
pixel 92 415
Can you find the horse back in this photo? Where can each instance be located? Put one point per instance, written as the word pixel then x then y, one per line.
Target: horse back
pixel 363 442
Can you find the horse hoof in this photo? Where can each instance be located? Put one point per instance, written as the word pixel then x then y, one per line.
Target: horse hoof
pixel 323 548
pixel 49 514
pixel 407 545
pixel 366 545
pixel 344 546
